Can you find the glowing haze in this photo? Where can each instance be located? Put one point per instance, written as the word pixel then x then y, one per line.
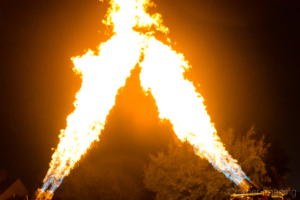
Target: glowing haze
pixel 162 71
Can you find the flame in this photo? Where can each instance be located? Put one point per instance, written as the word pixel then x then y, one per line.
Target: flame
pixel 162 71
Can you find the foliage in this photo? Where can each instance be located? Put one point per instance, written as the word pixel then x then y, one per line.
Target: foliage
pixel 268 160
pixel 133 130
pixel 105 180
pixel 115 169
pixel 249 152
pixel 181 174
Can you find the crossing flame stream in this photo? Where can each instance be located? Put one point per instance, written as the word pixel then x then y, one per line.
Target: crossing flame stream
pixel 162 71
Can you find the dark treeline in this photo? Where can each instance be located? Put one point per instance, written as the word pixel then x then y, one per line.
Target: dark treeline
pixel 114 167
pixel 119 165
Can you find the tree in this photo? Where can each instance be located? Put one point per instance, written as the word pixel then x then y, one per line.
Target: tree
pixel 181 174
pixel 268 159
pixel 115 169
pixel 250 153
pixel 106 180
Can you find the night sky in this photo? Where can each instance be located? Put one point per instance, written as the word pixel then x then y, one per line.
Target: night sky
pixel 244 56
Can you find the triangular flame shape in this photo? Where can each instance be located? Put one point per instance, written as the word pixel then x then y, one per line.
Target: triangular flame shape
pixel 162 71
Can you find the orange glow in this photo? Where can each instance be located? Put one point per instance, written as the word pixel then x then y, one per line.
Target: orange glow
pixel 162 71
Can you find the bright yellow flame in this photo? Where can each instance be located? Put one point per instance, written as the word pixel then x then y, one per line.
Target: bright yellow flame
pixel 162 71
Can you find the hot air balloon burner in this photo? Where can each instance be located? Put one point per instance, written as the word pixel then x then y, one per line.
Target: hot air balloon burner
pixel 251 190
pixel 42 195
pixel 249 187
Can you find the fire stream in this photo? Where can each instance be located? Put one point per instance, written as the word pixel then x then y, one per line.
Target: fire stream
pixel 162 71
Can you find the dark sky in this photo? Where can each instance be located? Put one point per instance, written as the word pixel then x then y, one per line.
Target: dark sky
pixel 244 55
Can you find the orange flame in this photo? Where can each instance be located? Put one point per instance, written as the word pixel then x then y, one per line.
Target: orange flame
pixel 162 71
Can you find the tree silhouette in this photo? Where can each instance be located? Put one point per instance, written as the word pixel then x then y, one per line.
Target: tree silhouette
pixel 180 174
pixel 114 167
